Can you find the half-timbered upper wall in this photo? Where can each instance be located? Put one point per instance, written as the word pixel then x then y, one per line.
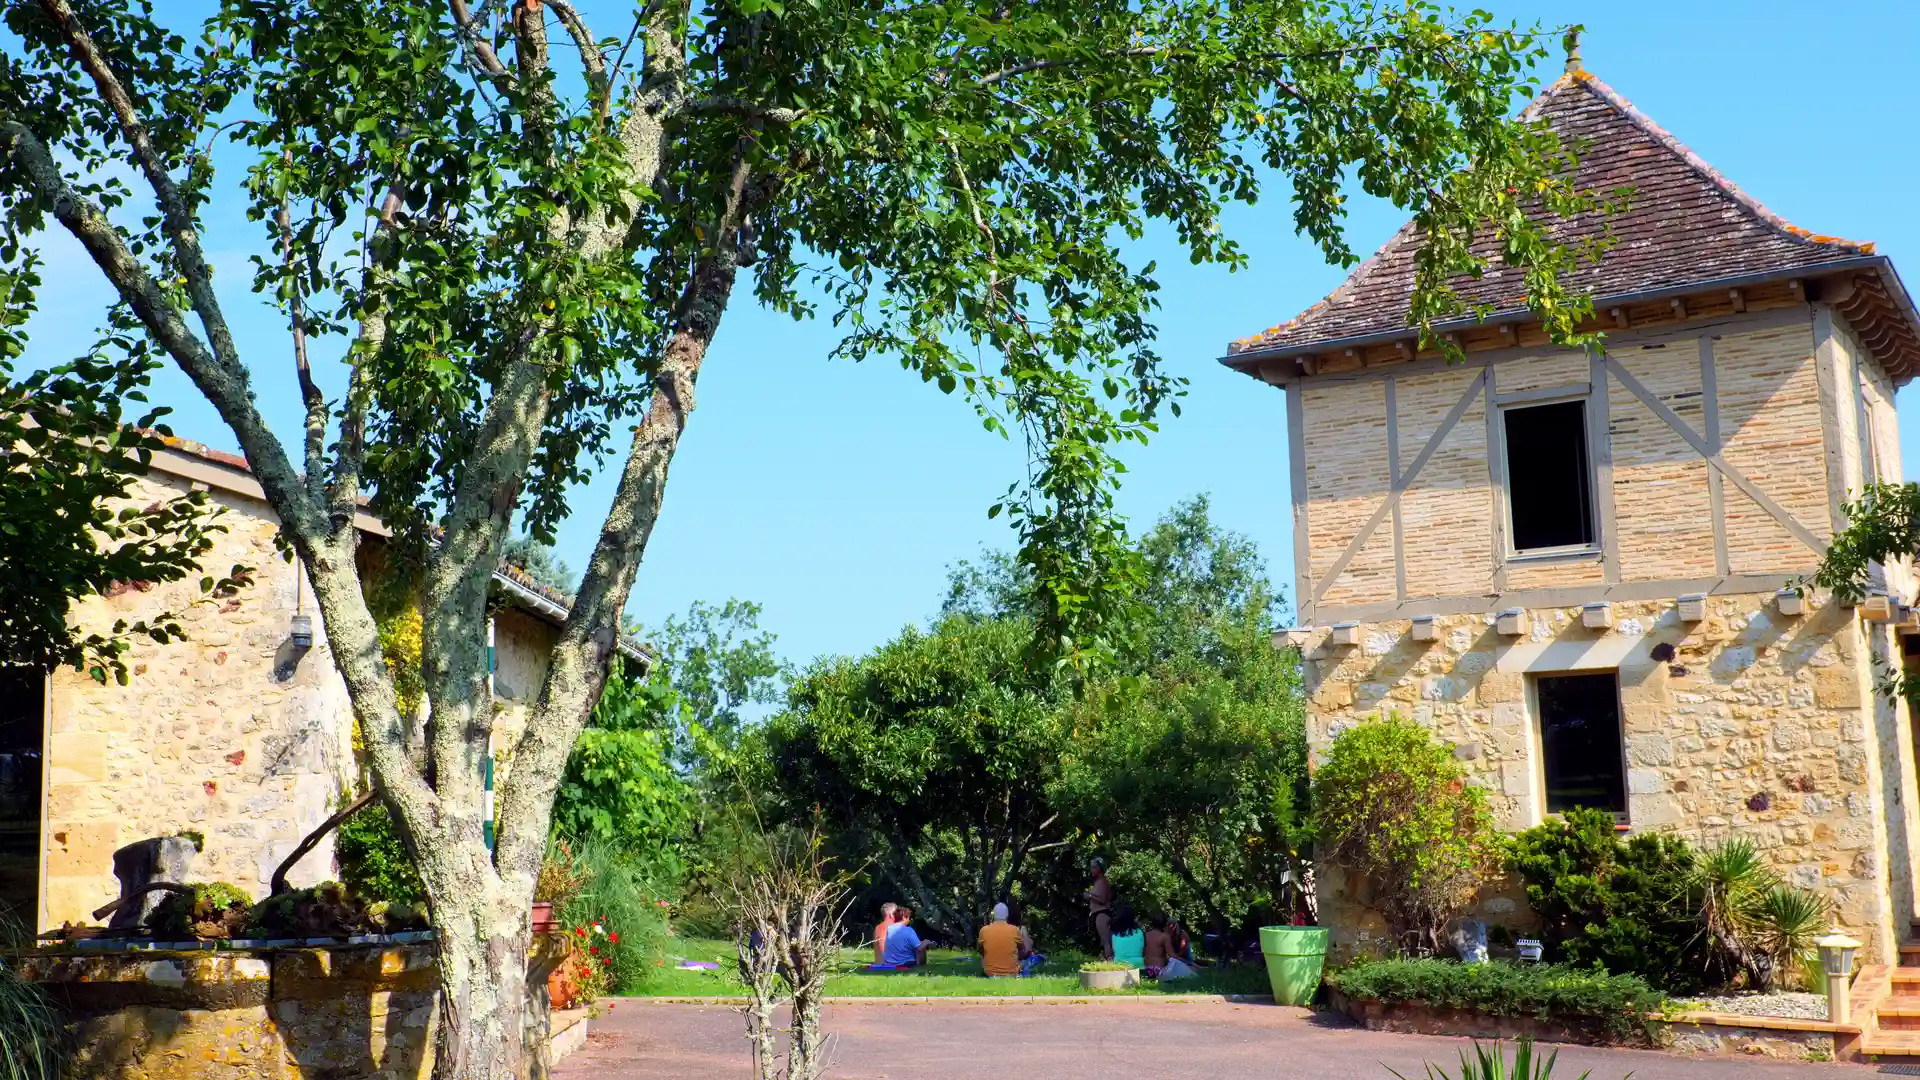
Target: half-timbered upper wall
pixel 1706 451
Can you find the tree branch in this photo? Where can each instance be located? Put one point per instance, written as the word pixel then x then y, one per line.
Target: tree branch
pixel 310 395
pixel 488 60
pixel 278 883
pixel 732 106
pixel 591 57
pixel 175 214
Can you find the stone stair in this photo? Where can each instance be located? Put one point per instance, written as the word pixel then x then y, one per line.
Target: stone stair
pixel 1886 1005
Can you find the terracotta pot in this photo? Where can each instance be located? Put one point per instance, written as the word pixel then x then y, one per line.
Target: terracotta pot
pixel 543 920
pixel 561 989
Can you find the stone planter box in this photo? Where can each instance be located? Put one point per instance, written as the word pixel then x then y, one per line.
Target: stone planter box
pixel 1109 980
pixel 267 1014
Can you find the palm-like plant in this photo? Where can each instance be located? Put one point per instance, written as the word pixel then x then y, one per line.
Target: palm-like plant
pixel 1490 1063
pixel 1786 923
pixel 1753 922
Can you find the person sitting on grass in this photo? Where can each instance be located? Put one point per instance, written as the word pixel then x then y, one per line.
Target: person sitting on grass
pixel 1129 944
pixel 880 932
pixel 1157 949
pixel 1031 957
pixel 904 948
pixel 1002 948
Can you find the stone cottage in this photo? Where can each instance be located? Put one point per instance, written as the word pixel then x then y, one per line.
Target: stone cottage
pixel 242 734
pixel 1573 566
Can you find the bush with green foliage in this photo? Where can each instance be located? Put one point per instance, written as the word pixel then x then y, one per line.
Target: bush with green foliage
pixel 1654 907
pixel 1619 1005
pixel 614 892
pixel 1394 807
pixel 1626 907
pixel 374 860
pixel 620 785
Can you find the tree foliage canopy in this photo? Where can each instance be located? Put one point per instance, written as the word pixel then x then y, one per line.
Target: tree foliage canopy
pixel 72 524
pixel 524 233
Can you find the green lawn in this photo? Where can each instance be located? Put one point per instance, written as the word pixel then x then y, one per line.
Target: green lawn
pixel 949 973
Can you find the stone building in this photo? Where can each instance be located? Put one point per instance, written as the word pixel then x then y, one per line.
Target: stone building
pixel 1570 565
pixel 241 734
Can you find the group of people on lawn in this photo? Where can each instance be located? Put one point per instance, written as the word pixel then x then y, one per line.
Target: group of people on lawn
pixel 1161 950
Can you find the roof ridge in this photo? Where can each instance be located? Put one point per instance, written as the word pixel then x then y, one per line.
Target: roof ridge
pixel 1667 141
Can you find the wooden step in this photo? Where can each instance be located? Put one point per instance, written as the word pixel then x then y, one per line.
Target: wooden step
pixel 1893 1044
pixel 1910 954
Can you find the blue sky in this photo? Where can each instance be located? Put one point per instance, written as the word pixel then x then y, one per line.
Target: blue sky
pixel 836 494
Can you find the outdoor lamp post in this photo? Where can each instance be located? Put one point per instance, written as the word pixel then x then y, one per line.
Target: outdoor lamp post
pixel 1836 959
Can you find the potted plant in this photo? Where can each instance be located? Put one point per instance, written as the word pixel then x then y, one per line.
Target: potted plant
pixel 1108 975
pixel 558 883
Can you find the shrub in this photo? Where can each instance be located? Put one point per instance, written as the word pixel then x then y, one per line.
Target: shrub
pixel 214 909
pixel 326 910
pixel 1105 965
pixel 374 860
pixel 1393 806
pixel 615 895
pixel 1625 907
pixel 1753 923
pixel 1619 1004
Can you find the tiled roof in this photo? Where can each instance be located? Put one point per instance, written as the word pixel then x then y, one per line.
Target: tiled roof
pixel 1686 224
pixel 549 604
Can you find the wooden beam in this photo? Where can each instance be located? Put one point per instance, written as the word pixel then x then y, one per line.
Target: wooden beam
pixel 1507 333
pixel 1679 306
pixel 1619 317
pixel 1297 477
pixel 1779 514
pixel 1393 476
pixel 1600 449
pixel 1393 497
pixel 1739 298
pixel 1710 413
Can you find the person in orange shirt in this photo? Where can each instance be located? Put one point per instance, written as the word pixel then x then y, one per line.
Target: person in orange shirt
pixel 1002 948
pixel 880 932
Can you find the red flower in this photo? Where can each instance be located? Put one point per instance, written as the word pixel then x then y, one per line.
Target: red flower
pixel 593 948
pixel 606 963
pixel 614 937
pixel 581 930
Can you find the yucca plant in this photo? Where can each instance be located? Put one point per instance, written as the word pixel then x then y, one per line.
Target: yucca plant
pixel 1730 880
pixel 1785 924
pixel 1490 1063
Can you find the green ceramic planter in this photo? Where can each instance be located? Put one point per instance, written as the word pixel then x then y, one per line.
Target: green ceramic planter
pixel 1295 957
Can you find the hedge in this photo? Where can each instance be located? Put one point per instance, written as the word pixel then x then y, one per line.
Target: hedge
pixel 1622 1004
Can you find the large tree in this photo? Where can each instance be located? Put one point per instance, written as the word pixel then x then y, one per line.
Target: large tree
pixel 73 522
pixel 527 233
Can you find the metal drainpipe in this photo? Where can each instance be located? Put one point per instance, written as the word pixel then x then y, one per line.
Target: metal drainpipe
pixel 486 767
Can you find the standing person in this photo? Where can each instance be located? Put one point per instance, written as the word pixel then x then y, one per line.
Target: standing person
pixel 1099 897
pixel 880 932
pixel 904 947
pixel 1002 951
pixel 1128 944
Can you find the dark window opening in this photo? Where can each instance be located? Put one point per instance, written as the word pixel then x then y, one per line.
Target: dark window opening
pixel 22 731
pixel 1549 488
pixel 1580 742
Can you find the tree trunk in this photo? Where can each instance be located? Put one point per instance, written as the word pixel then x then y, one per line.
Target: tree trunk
pixel 483 934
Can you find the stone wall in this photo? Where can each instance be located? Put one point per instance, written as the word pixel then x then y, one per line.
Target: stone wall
pixel 1762 726
pixel 232 733
pixel 295 1015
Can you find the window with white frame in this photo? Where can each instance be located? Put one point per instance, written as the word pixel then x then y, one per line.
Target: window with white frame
pixel 1549 477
